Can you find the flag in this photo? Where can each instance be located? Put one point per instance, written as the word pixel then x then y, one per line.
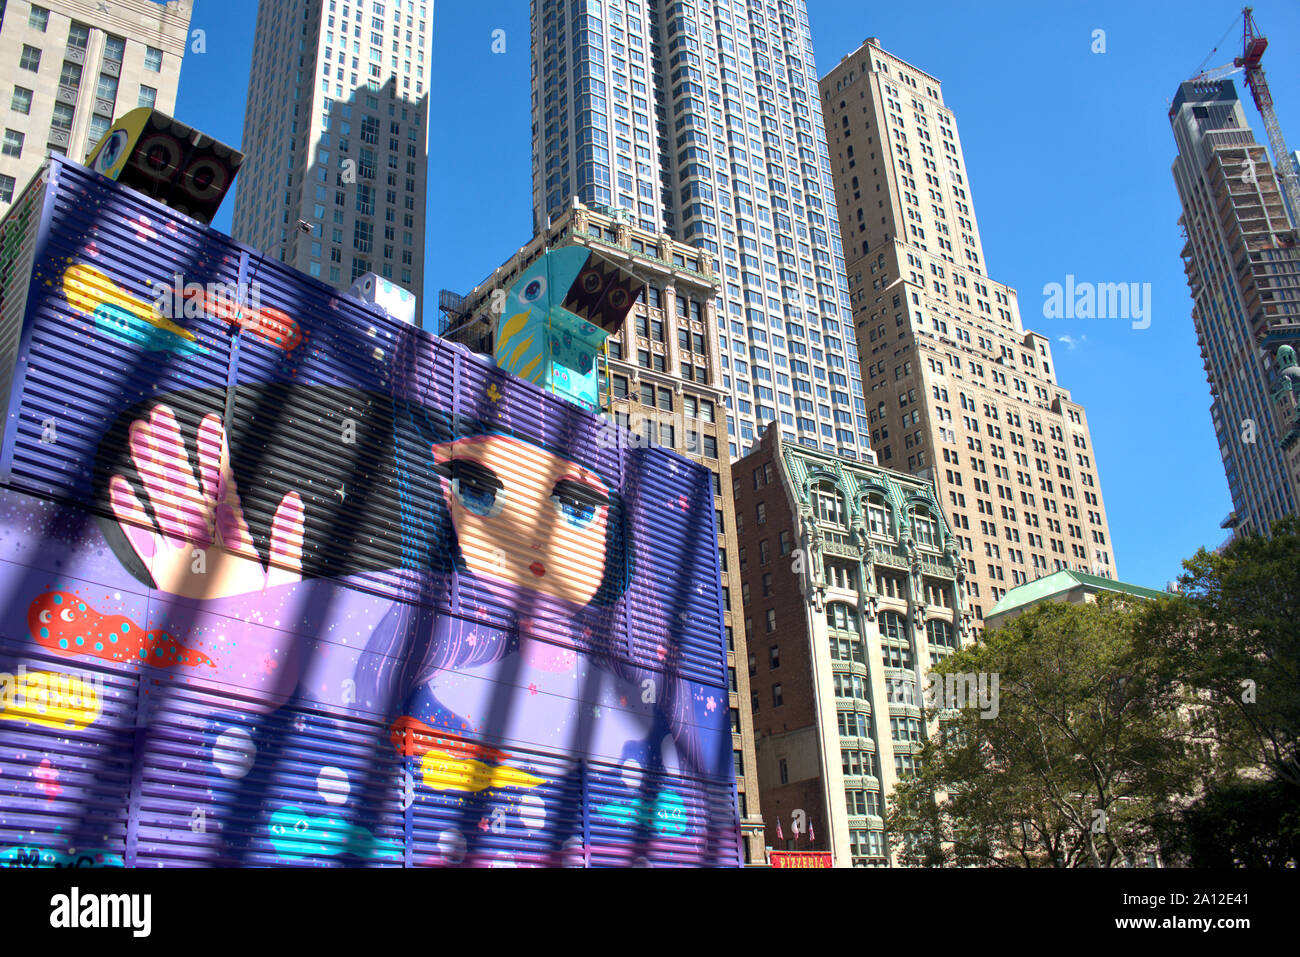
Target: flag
pixel 779 835
pixel 812 835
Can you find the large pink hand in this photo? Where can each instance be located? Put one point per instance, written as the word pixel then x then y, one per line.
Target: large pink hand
pixel 200 546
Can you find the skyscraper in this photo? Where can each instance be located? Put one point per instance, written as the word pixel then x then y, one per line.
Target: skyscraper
pixel 1242 262
pixel 958 391
pixel 702 119
pixel 336 138
pixel 75 66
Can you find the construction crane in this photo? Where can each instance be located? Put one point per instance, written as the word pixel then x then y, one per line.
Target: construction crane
pixel 1253 45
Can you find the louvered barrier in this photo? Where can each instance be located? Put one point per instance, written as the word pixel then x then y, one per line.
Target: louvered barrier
pixel 289 583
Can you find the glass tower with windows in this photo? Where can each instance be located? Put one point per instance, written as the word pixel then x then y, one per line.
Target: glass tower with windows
pixel 701 119
pixel 336 138
pixel 1243 273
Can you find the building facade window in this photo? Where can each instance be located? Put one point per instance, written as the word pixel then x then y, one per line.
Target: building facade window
pixel 62 118
pixel 78 35
pixel 879 517
pixel 841 616
pixel 114 49
pixel 924 528
pixel 828 503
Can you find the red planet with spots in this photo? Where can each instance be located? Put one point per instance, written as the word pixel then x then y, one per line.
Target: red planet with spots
pixel 65 624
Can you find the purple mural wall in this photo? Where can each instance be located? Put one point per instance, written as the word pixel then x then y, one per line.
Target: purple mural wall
pixel 287 582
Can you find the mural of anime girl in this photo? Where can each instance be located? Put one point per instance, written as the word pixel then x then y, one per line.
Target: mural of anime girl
pixel 312 555
pixel 515 564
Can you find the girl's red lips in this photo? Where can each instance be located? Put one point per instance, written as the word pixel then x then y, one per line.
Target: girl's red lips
pixel 537 568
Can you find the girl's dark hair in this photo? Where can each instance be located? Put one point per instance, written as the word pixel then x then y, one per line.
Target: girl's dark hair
pixel 362 463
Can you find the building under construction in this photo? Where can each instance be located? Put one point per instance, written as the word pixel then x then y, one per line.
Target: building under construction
pixel 1242 262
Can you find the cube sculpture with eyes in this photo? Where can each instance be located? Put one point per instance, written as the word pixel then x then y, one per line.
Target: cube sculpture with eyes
pixel 557 318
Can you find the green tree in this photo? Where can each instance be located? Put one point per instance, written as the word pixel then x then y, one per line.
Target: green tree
pixel 1232 640
pixel 1074 768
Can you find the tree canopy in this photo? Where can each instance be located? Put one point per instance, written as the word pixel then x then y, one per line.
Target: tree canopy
pixel 1125 727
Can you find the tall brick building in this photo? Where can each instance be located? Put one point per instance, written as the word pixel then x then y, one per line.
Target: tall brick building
pixel 851 588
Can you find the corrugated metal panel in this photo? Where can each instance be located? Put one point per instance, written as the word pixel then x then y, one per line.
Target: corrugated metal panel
pixel 500 618
pixel 17 251
pixel 530 818
pixel 87 351
pixel 66 736
pixel 294 787
pixel 648 819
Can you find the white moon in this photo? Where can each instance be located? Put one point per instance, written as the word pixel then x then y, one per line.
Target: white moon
pixel 234 753
pixel 332 784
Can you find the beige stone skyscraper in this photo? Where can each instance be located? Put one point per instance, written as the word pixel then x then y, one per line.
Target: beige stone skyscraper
pixel 336 135
pixel 72 67
pixel 957 389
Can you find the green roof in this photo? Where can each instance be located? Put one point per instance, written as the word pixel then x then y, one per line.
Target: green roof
pixel 1058 583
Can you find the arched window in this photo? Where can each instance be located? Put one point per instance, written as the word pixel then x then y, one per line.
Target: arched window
pixel 841 616
pixel 924 528
pixel 940 633
pixel 893 626
pixel 880 519
pixel 828 503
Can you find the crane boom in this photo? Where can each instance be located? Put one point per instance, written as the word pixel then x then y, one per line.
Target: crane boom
pixel 1252 50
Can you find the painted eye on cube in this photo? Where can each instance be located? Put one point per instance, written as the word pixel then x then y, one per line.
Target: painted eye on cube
pixel 534 290
pixel 476 487
pixel 577 503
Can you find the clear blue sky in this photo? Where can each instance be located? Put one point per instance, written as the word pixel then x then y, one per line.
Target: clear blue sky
pixel 1068 154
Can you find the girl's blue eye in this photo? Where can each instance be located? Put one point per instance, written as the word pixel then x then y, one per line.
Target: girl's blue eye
pixel 477 488
pixel 578 503
pixel 577 514
pixel 478 499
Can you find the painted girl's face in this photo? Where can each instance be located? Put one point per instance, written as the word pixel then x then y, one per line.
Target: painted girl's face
pixel 525 516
